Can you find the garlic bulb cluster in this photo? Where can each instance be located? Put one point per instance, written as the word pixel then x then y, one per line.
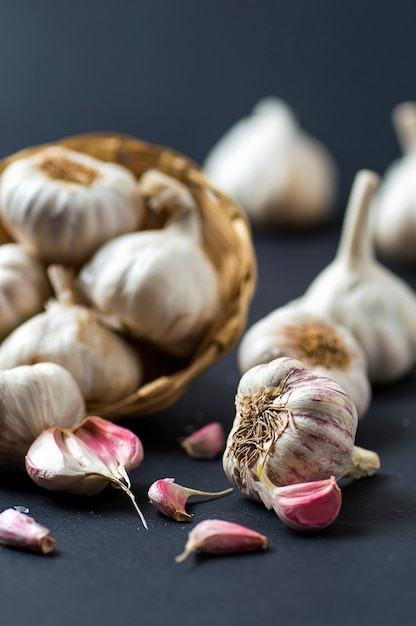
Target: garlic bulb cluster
pixel 357 291
pixel 394 210
pixel 104 365
pixel 32 399
pixel 159 284
pixel 319 343
pixel 62 205
pixel 24 287
pixel 278 173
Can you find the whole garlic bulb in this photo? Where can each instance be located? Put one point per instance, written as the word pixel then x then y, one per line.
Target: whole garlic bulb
pixel 62 205
pixel 159 284
pixel 34 398
pixel 319 343
pixel 24 287
pixel 359 292
pixel 278 173
pixel 104 365
pixel 394 210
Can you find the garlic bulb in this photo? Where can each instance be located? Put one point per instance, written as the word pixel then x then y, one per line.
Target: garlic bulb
pixel 292 425
pixel 275 170
pixel 32 399
pixel 319 343
pixel 24 287
pixel 159 284
pixel 394 210
pixel 62 205
pixel 104 365
pixel 357 291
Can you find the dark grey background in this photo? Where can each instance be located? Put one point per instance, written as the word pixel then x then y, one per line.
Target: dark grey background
pixel 179 73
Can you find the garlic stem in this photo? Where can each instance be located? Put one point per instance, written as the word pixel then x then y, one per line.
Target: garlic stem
pixel 362 463
pixel 61 279
pixel 404 122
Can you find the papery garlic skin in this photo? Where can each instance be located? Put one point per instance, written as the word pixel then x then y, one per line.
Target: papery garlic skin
pixel 18 530
pixel 294 424
pixel 62 205
pixel 277 172
pixel 317 341
pixel 207 442
pixel 32 399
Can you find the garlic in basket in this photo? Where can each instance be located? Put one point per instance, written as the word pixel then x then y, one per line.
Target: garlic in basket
pixel 319 343
pixel 104 365
pixel 159 284
pixel 32 399
pixel 62 205
pixel 292 425
pixel 24 287
pixel 277 172
pixel 355 290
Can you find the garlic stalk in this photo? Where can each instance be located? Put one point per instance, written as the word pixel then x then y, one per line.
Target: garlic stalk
pixel 18 530
pixel 357 291
pixel 62 205
pixel 32 399
pixel 207 442
pixel 159 284
pixel 104 365
pixel 318 342
pixel 275 170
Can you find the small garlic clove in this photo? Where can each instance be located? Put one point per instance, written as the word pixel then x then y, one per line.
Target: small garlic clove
pixel 18 530
pixel 215 536
pixel 207 442
pixel 362 463
pixel 170 498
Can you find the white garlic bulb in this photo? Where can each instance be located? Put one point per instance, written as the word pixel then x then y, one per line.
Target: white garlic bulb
pixel 62 205
pixel 159 284
pixel 24 287
pixel 32 399
pixel 319 343
pixel 104 365
pixel 394 210
pixel 278 173
pixel 355 290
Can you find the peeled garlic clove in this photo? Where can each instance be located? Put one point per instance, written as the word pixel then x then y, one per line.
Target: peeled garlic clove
pixel 221 537
pixel 18 530
pixel 318 342
pixel 24 287
pixel 276 171
pixel 159 284
pixel 358 292
pixel 62 205
pixel 170 498
pixel 32 399
pixel 104 365
pixel 205 443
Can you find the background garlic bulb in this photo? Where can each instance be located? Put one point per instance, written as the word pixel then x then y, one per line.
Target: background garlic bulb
pixel 32 399
pixel 319 343
pixel 159 284
pixel 24 287
pixel 276 171
pixel 357 291
pixel 62 205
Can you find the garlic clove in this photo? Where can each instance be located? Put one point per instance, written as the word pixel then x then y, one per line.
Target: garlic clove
pixel 222 537
pixel 170 498
pixel 362 463
pixel 207 442
pixel 18 530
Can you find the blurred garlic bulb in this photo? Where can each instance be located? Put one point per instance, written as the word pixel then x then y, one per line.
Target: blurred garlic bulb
pixel 32 399
pixel 357 291
pixel 394 211
pixel 278 173
pixel 24 287
pixel 104 365
pixel 319 343
pixel 62 205
pixel 159 284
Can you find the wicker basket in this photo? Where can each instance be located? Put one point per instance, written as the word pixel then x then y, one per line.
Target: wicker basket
pixel 227 241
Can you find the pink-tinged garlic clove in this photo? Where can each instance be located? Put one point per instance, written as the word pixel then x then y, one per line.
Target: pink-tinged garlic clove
pixel 170 498
pixel 215 536
pixel 207 442
pixel 18 530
